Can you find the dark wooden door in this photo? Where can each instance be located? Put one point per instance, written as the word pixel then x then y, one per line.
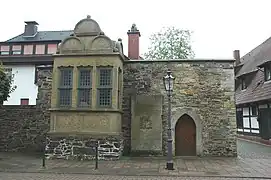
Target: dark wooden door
pixel 265 123
pixel 185 137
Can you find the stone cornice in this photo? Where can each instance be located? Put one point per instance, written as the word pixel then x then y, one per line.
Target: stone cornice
pixel 85 110
pixel 122 57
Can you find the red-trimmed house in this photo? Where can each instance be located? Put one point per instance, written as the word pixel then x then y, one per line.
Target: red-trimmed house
pixel 22 54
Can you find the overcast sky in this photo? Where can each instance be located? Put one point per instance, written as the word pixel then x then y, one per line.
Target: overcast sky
pixel 219 26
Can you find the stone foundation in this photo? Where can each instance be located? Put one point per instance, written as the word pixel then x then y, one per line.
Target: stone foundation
pixel 83 148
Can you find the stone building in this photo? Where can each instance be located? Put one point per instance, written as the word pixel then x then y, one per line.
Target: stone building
pixel 100 95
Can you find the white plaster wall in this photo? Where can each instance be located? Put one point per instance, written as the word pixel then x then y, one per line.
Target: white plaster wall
pixel 24 76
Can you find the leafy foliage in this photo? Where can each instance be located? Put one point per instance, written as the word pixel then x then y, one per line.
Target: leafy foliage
pixel 5 85
pixel 170 43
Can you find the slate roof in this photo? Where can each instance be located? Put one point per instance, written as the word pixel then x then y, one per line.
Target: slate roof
pixel 43 36
pixel 257 56
pixel 257 89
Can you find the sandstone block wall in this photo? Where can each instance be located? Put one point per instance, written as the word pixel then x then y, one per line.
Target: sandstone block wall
pixel 70 146
pixel 204 88
pixel 146 123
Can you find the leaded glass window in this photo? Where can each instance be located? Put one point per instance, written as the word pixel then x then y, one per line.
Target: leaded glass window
pixel 65 87
pixel 84 87
pixel 104 93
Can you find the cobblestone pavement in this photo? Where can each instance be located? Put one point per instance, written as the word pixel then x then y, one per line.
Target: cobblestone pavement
pixel 254 161
pixel 43 176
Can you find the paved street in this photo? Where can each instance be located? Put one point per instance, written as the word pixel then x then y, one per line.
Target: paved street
pixel 253 150
pixel 254 161
pixel 43 176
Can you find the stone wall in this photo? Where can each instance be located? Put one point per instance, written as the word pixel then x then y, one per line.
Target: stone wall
pixel 23 129
pixel 146 121
pixel 44 84
pixel 72 146
pixel 83 147
pixel 205 88
pixel 26 129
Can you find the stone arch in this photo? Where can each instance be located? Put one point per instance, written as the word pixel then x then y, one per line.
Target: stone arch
pixel 87 26
pixel 71 44
pixel 176 115
pixel 102 42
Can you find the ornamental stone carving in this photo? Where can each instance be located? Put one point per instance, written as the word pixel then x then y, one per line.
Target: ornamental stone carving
pixel 102 43
pixel 71 44
pixel 87 26
pixel 88 38
pixel 68 123
pixel 145 122
pixel 104 121
pixel 118 46
pixel 89 124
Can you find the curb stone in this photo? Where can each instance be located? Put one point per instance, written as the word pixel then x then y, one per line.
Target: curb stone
pixel 185 174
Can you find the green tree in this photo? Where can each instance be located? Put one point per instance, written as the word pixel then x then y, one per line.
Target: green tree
pixel 170 43
pixel 5 85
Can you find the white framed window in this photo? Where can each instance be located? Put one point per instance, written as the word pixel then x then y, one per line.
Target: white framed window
pixel 4 50
pixel 16 49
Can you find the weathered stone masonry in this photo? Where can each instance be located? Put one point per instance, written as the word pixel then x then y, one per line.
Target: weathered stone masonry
pixel 23 129
pixel 72 147
pixel 202 103
pixel 205 88
pixel 201 88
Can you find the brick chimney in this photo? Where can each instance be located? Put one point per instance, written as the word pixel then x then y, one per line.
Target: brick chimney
pixel 236 56
pixel 133 42
pixel 30 29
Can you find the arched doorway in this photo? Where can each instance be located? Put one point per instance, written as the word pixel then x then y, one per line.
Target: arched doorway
pixel 185 136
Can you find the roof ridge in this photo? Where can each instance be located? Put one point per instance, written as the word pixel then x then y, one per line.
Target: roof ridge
pixel 56 31
pixel 38 32
pixel 256 56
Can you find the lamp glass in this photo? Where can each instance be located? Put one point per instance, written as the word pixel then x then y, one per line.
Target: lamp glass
pixel 169 82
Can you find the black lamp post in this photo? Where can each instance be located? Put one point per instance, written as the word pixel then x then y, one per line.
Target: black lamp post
pixel 168 84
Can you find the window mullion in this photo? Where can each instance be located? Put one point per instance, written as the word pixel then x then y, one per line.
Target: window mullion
pixel 104 87
pixel 65 87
